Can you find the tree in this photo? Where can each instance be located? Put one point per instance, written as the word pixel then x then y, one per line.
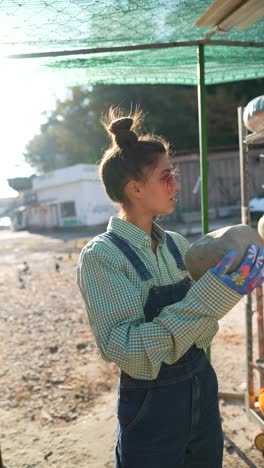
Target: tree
pixel 73 132
pixel 68 136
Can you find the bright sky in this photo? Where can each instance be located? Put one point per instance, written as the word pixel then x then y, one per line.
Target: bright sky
pixel 22 100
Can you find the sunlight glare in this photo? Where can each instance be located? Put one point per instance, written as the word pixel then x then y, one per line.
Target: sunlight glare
pixel 23 99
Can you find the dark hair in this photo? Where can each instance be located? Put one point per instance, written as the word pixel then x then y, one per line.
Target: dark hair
pixel 130 156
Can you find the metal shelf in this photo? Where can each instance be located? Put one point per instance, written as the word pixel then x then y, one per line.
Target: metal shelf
pixel 258 368
pixel 251 403
pixel 254 138
pixel 256 416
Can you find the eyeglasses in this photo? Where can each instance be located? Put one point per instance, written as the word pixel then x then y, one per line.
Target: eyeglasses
pixel 170 180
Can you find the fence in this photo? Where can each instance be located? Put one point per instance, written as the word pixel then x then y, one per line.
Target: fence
pixel 223 183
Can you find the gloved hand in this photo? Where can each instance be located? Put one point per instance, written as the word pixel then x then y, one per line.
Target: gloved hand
pixel 250 273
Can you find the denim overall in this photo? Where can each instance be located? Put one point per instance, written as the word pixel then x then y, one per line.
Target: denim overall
pixel 174 420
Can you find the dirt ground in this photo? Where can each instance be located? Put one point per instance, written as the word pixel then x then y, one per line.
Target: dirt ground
pixel 57 397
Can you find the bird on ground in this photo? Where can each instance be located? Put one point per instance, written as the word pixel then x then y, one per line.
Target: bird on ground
pixel 26 268
pixel 22 282
pixel 23 268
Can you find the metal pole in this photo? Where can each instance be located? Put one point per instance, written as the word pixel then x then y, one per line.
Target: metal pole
pixel 260 308
pixel 245 218
pixel 201 90
pixel 128 48
pixel 244 176
pixel 260 322
pixel 201 94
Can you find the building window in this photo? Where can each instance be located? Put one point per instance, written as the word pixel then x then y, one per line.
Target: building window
pixel 68 209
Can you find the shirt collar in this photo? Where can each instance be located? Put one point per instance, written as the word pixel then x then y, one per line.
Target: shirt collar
pixel 135 235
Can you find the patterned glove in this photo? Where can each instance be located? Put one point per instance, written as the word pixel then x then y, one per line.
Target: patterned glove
pixel 250 273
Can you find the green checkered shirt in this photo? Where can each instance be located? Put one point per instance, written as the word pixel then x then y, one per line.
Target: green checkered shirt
pixel 115 295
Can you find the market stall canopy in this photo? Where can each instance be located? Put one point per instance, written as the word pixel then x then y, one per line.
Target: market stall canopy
pixel 127 42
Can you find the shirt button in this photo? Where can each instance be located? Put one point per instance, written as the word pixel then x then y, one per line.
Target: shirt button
pixel 155 290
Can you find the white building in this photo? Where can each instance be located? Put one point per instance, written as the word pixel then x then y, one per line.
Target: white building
pixel 72 196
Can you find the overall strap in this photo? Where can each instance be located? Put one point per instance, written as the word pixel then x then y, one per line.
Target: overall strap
pixel 175 252
pixel 129 253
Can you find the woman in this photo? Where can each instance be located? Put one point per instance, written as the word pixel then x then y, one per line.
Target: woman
pixel 149 317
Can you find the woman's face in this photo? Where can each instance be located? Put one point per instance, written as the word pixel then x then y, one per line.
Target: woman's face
pixel 159 190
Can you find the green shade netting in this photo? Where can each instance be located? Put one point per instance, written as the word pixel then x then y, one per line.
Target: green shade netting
pixel 36 26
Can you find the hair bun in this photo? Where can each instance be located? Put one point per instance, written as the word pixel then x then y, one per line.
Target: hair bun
pixel 120 128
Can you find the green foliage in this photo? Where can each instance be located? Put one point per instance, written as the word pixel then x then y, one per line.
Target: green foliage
pixel 73 132
pixel 67 137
